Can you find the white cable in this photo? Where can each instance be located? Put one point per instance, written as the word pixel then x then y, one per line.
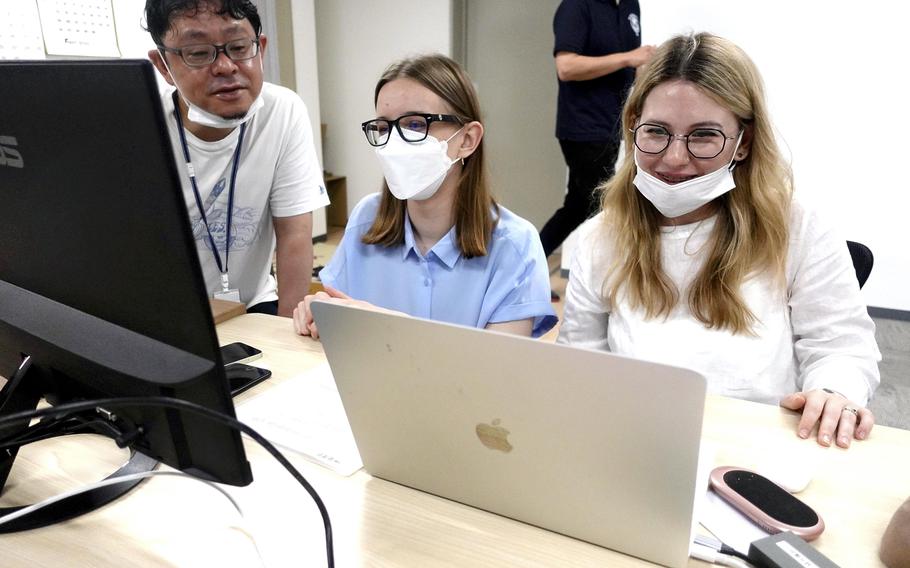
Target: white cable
pixel 134 476
pixel 727 560
pixel 709 541
pixel 702 552
pixel 111 481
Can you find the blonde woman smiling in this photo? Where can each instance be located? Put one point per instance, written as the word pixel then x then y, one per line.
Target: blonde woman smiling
pixel 701 257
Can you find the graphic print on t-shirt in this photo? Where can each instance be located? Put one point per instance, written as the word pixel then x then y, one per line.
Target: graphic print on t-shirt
pixel 244 224
pixel 635 25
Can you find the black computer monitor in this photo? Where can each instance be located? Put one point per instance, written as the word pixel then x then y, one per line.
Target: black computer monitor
pixel 100 281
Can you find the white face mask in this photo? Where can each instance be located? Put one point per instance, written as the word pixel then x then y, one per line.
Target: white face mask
pixel 203 117
pixel 678 199
pixel 415 170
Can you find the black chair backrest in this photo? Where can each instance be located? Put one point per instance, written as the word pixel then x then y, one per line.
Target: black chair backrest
pixel 862 261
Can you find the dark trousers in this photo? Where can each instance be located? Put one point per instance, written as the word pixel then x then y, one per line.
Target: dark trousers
pixel 589 163
pixel 270 308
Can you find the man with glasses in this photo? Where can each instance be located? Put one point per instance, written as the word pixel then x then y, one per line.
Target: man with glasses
pixel 597 49
pixel 250 174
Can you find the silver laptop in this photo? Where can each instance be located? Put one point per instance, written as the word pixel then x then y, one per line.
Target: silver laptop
pixel 589 444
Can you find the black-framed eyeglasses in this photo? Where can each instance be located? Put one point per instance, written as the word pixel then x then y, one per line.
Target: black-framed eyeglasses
pixel 413 127
pixel 702 143
pixel 203 54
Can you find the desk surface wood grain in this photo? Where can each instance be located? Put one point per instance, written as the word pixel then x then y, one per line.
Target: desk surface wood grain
pixel 171 522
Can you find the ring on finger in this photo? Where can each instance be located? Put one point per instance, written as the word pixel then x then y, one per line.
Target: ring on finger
pixel 851 409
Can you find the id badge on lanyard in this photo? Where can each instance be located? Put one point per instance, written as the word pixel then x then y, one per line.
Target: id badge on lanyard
pixel 225 292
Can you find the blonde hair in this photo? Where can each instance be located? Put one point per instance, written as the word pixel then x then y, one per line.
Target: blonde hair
pixel 474 206
pixel 751 232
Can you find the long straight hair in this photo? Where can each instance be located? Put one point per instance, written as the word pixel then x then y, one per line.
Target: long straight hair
pixel 474 206
pixel 750 236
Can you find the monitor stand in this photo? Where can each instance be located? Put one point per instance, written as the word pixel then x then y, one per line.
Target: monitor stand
pixel 21 394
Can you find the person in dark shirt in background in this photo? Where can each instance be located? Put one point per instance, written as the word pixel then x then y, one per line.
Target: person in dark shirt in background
pixel 597 49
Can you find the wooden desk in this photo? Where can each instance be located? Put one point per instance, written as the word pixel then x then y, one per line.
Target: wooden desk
pixel 178 522
pixel 223 310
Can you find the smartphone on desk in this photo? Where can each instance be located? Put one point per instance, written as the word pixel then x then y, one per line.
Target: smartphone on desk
pixel 767 504
pixel 239 353
pixel 242 377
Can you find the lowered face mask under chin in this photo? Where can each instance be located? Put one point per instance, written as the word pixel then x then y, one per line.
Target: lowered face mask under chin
pixel 415 170
pixel 678 199
pixel 205 118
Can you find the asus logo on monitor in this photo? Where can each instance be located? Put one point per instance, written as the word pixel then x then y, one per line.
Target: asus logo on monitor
pixel 9 156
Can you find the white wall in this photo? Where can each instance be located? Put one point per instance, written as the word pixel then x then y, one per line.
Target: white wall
pixel 129 18
pixel 306 72
pixel 357 40
pixel 517 89
pixel 834 71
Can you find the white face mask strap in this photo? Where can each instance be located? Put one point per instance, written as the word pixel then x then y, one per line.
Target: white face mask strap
pixel 457 158
pixel 455 134
pixel 168 67
pixel 171 73
pixel 739 139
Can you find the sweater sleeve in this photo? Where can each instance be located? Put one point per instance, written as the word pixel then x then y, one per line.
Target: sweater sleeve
pixel 834 337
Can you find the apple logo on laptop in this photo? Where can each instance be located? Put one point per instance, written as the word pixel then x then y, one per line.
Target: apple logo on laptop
pixel 494 436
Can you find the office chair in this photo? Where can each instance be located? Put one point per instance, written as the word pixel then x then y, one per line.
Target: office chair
pixel 862 260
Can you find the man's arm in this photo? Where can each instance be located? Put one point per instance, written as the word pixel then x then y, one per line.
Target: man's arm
pixel 574 67
pixel 294 248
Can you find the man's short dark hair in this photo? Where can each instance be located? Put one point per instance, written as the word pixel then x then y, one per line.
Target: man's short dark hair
pixel 160 13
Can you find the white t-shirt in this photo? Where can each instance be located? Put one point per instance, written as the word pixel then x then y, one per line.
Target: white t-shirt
pixel 278 176
pixel 816 333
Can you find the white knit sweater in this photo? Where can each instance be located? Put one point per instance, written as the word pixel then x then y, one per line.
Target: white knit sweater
pixel 815 334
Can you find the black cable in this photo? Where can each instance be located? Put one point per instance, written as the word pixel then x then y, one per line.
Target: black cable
pixel 53 428
pixel 22 437
pixel 716 545
pixel 60 411
pixel 730 551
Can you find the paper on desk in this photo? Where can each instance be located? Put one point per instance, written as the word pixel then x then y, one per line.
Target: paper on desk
pixel 706 453
pixel 729 525
pixel 304 414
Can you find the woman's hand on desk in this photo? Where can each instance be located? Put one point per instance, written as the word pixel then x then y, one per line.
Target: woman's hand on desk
pixel 304 324
pixel 835 415
pixel 303 315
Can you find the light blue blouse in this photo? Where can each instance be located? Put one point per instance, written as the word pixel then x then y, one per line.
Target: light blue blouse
pixel 510 283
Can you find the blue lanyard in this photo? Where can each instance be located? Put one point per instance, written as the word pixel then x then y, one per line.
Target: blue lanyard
pixel 230 213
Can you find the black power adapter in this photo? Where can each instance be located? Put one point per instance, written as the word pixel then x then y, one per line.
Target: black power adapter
pixel 786 550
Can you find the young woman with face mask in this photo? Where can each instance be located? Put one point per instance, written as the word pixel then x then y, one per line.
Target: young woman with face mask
pixel 701 258
pixel 434 243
